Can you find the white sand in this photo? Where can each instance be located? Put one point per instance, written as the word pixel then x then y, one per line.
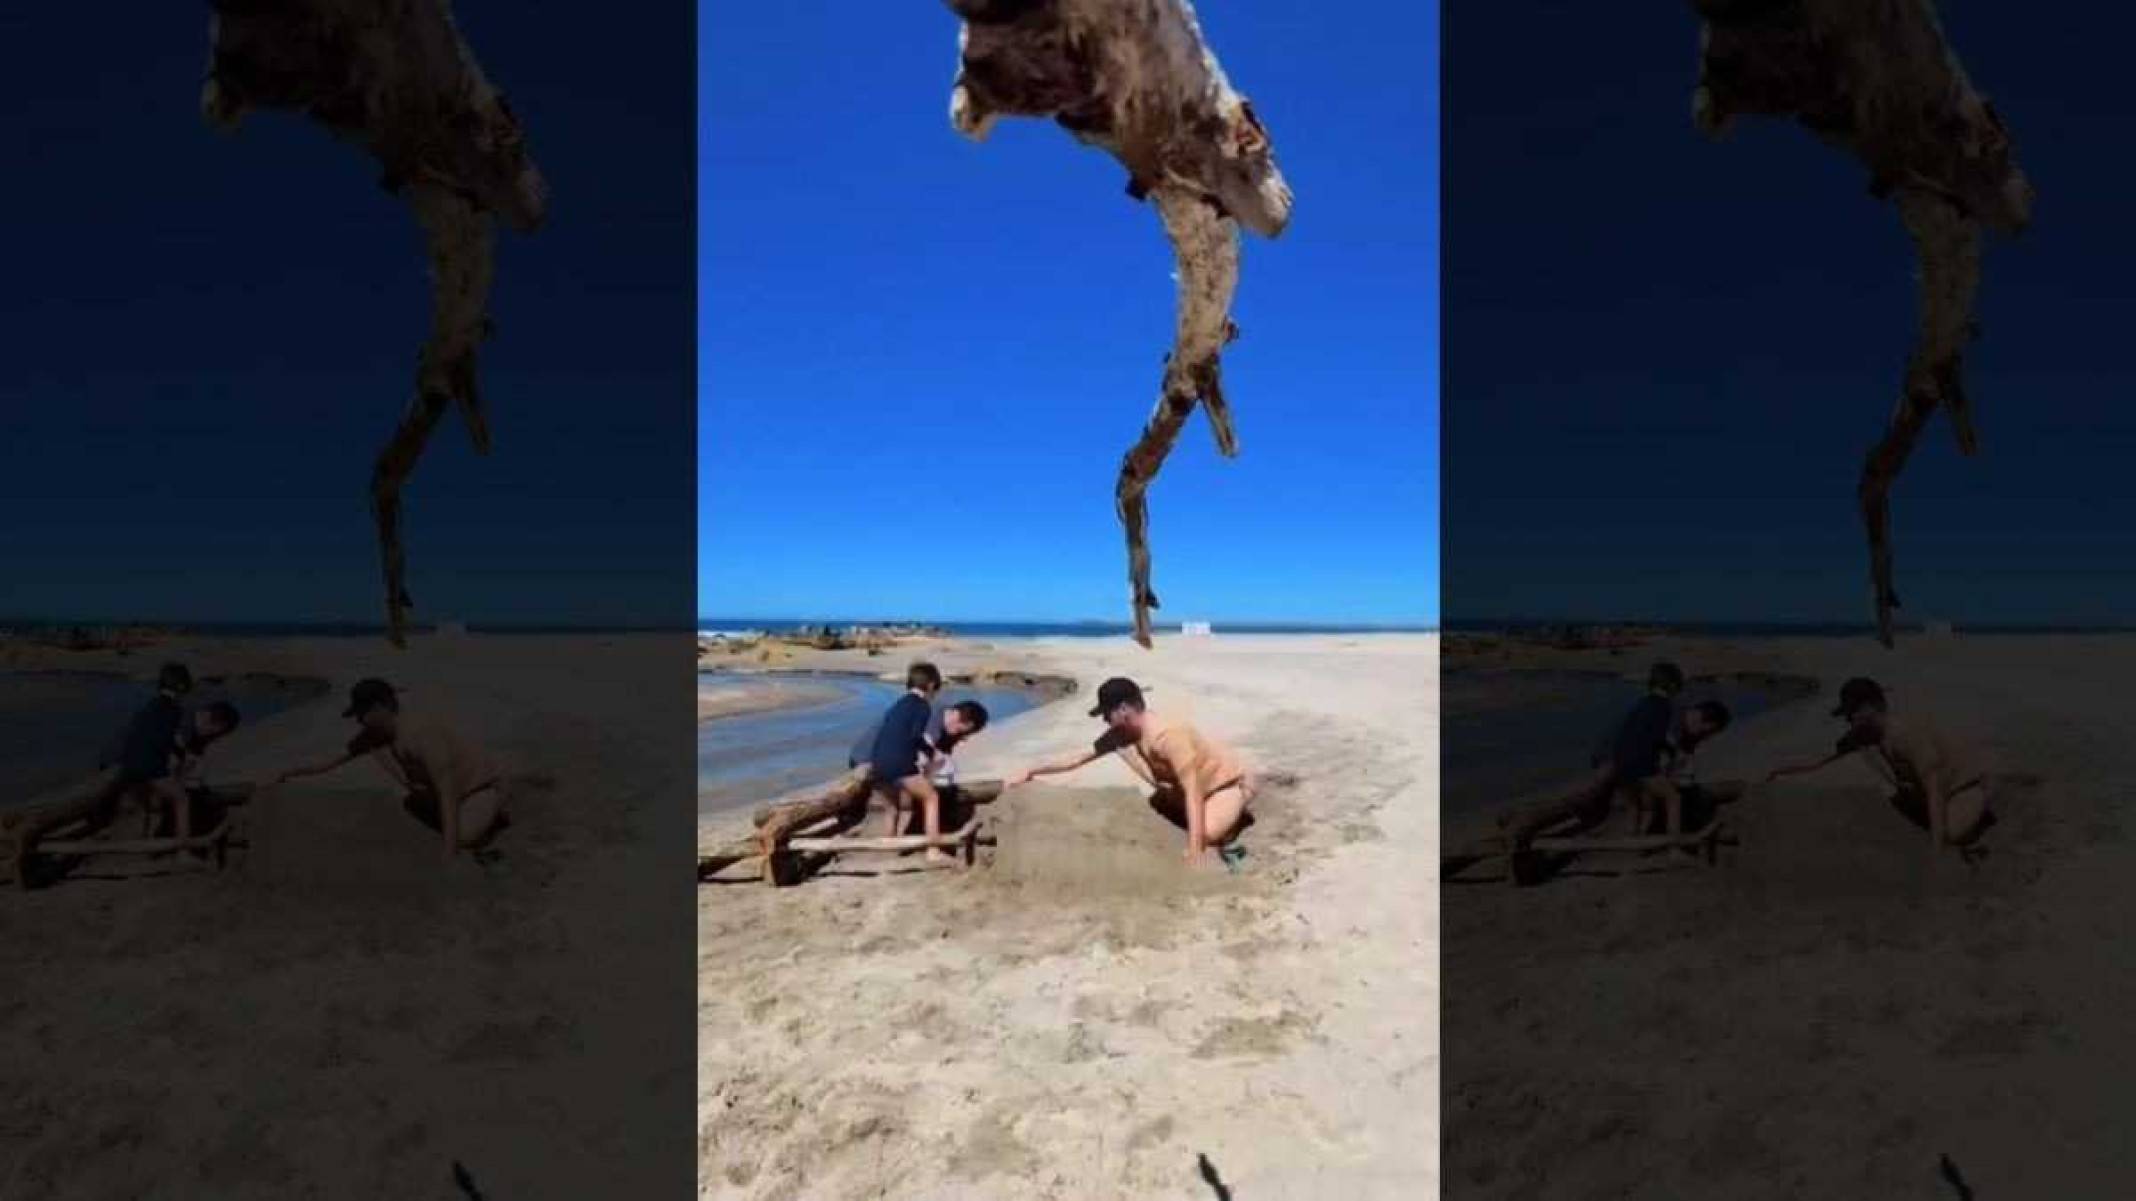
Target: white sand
pixel 1082 1018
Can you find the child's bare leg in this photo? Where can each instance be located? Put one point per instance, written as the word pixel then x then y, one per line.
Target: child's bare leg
pixel 166 794
pixel 922 790
pixel 885 798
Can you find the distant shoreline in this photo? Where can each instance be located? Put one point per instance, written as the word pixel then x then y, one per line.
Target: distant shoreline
pixel 763 690
pixel 708 626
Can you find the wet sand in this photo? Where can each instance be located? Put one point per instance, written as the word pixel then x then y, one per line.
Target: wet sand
pixel 1833 1010
pixel 733 696
pixel 1080 1016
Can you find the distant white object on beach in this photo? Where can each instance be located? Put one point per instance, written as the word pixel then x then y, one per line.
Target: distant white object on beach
pixel 1195 629
pixel 452 629
pixel 1938 629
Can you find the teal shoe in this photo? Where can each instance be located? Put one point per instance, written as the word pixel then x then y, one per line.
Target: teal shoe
pixel 1232 855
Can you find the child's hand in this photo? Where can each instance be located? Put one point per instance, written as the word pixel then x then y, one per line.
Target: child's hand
pixel 1016 779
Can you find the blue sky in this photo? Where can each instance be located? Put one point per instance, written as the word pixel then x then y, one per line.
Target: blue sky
pixel 1669 356
pixel 210 337
pixel 922 359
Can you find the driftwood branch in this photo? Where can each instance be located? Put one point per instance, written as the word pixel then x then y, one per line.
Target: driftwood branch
pixel 131 846
pixel 898 843
pixel 795 824
pixel 1880 82
pixel 1706 841
pixel 1205 245
pixel 399 81
pixel 1139 82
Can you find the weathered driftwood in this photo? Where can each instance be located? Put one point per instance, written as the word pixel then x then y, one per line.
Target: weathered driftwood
pixel 1879 81
pixel 795 827
pixel 815 804
pixel 1627 842
pixel 29 832
pixel 399 80
pixel 212 840
pixel 24 831
pixel 897 843
pixel 1139 82
pixel 1707 841
pixel 846 792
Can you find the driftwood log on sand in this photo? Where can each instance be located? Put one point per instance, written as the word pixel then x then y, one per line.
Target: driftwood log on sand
pixel 1878 80
pixel 1705 842
pixel 794 826
pixel 400 81
pixel 1139 82
pixel 30 831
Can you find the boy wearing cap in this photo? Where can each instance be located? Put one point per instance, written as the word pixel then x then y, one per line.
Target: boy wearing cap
pixel 1936 785
pixel 1200 782
pixel 900 756
pixel 452 786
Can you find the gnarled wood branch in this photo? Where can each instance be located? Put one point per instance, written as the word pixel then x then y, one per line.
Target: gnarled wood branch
pixel 1139 82
pixel 1877 79
pixel 399 80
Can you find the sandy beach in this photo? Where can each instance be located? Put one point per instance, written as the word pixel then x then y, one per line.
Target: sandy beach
pixel 1832 1012
pixel 342 1012
pixel 1080 1016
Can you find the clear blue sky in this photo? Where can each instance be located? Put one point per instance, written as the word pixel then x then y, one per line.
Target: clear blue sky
pixel 1669 357
pixel 922 359
pixel 209 338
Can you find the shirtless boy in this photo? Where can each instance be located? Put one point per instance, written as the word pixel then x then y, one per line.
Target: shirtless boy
pixel 452 786
pixel 1936 785
pixel 1200 782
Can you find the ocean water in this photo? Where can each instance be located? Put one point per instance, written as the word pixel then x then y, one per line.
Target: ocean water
pixel 1505 735
pixel 751 757
pixel 55 724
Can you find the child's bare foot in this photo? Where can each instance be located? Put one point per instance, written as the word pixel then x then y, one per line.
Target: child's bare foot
pixel 937 857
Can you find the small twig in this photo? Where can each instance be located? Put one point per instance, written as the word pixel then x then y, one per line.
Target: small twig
pixel 1956 1181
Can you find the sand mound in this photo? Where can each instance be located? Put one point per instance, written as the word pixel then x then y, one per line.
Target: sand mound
pixel 1090 846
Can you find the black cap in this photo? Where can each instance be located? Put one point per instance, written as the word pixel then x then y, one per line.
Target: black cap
pixel 1856 693
pixel 366 694
pixel 1114 693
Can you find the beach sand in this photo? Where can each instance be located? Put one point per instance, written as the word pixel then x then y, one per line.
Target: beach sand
pixel 342 1013
pixel 1081 1016
pixel 1833 1011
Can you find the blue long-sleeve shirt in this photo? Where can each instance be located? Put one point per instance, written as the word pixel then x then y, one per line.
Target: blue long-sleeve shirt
pixel 901 740
pixel 1641 741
